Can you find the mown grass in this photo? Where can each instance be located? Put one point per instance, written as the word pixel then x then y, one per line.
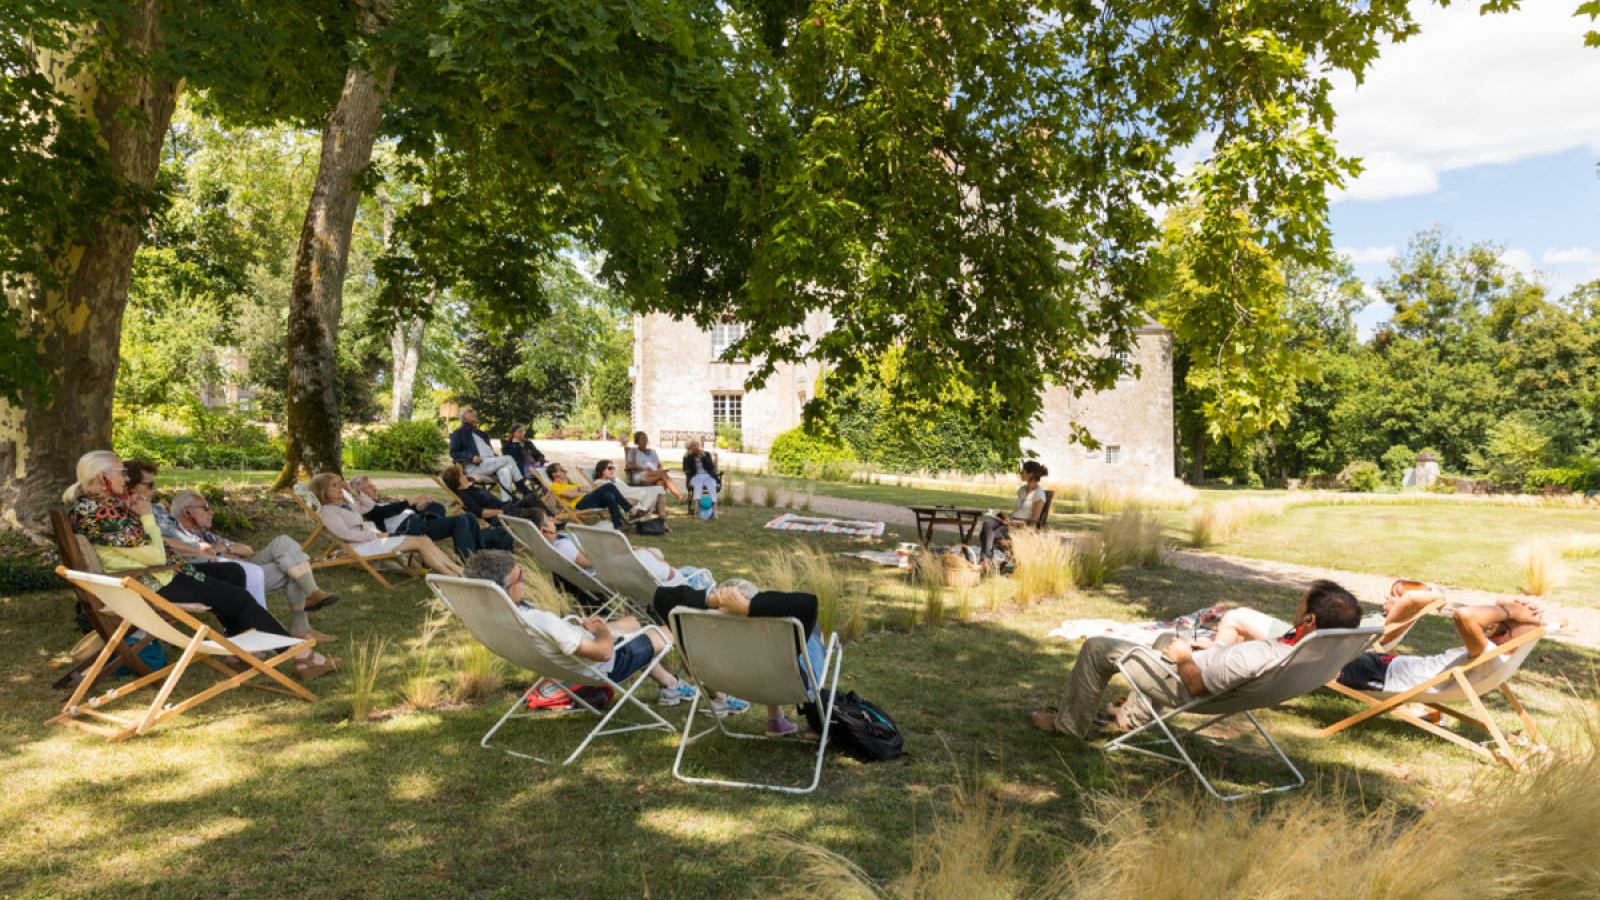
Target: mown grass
pixel 259 796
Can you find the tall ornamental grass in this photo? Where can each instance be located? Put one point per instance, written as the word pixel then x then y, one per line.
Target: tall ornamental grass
pixel 1543 559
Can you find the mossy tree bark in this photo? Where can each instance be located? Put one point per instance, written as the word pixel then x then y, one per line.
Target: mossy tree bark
pixel 78 327
pixel 316 300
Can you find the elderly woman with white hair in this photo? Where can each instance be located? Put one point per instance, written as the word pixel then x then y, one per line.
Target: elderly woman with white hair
pixel 123 531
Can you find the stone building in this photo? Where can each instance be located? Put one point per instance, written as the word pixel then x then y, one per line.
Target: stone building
pixel 684 386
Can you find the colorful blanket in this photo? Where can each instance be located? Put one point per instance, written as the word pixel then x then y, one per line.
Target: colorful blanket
pixel 1200 623
pixel 792 522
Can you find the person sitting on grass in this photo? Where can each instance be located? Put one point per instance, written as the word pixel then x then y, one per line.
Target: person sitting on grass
pixel 123 532
pixel 1030 506
pixel 643 465
pixel 484 504
pixel 423 515
pixel 279 566
pixel 339 516
pixel 615 650
pixel 652 559
pixel 1190 670
pixel 604 496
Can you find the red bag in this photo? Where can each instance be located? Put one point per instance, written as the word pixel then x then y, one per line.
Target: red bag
pixel 550 697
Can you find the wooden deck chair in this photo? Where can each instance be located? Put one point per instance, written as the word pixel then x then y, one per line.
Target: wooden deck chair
pixel 493 619
pixel 339 552
pixel 1466 683
pixel 1044 513
pixel 563 509
pixel 608 603
pixel 1315 660
pixel 140 607
pixel 614 563
pixel 452 503
pixel 78 554
pixel 1405 626
pixel 759 660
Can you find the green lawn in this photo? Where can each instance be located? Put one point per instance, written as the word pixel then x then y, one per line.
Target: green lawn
pixel 257 796
pixel 1468 546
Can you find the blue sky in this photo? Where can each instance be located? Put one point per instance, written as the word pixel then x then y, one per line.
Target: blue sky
pixel 1487 125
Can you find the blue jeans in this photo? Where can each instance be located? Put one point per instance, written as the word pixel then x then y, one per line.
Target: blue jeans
pixel 607 495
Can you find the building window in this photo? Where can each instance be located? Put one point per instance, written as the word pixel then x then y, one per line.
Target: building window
pixel 727 409
pixel 724 334
pixel 1125 359
pixel 1113 454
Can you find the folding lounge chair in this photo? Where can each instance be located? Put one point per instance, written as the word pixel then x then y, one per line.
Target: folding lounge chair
pixel 339 552
pixel 1466 683
pixel 493 619
pixel 563 509
pixel 610 603
pixel 614 563
pixel 759 660
pixel 140 607
pixel 1316 659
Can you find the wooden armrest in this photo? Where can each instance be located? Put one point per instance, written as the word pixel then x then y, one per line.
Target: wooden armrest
pixel 193 608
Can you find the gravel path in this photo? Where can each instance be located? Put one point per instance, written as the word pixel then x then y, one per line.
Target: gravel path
pixel 1583 624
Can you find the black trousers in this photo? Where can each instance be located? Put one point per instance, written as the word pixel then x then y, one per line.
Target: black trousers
pixel 462 530
pixel 233 605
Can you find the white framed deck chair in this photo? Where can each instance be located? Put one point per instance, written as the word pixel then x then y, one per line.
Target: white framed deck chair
pixel 493 619
pixel 1467 684
pixel 1315 661
pixel 339 552
pixel 141 608
pixel 612 604
pixel 563 509
pixel 614 563
pixel 759 660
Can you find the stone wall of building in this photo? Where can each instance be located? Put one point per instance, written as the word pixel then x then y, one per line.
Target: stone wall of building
pixel 676 379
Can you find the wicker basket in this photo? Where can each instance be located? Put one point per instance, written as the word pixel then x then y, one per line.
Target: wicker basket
pixel 958 572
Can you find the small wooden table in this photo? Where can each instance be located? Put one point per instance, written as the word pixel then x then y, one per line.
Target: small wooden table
pixel 964 518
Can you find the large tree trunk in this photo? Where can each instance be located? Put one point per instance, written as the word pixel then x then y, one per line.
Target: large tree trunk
pixel 78 328
pixel 406 346
pixel 1198 478
pixel 316 300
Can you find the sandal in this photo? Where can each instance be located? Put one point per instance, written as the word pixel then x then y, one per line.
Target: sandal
pixel 306 671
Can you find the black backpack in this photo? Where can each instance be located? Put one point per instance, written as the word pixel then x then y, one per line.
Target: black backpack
pixel 858 727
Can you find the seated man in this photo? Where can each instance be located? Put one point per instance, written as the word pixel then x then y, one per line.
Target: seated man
pixel 1479 628
pixel 1405 600
pixel 616 649
pixel 603 496
pixel 422 515
pixel 480 502
pixel 1192 670
pixel 279 566
pixel 472 451
pixel 649 557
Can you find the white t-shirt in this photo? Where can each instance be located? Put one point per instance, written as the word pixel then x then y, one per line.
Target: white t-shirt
pixel 1025 501
pixel 559 640
pixel 1406 672
pixel 566 546
pixel 664 574
pixel 485 452
pixel 1222 667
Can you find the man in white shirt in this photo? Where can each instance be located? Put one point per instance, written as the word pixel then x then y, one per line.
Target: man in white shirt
pixel 616 649
pixel 472 450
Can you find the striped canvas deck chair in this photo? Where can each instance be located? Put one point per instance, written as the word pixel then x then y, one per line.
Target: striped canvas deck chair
pixel 493 619
pixel 339 552
pixel 141 608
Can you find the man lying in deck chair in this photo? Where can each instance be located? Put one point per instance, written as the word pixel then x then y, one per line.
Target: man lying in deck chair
pixel 654 562
pixel 1478 626
pixel 616 649
pixel 1194 670
pixel 423 515
pixel 1405 602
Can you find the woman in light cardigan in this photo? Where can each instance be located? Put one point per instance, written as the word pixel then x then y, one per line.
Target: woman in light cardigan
pixel 344 523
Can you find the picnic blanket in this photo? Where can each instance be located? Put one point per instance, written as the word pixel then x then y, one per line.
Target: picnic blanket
pixel 1200 623
pixel 881 557
pixel 792 522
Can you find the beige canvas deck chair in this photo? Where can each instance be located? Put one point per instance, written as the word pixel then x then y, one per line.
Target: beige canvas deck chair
pixel 1404 626
pixel 452 503
pixel 1467 684
pixel 339 552
pixel 608 603
pixel 493 619
pixel 1315 661
pixel 614 563
pixel 563 509
pixel 139 607
pixel 759 660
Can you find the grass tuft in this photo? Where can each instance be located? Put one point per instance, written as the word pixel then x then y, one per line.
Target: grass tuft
pixel 479 672
pixel 1045 565
pixel 1133 537
pixel 423 690
pixel 365 665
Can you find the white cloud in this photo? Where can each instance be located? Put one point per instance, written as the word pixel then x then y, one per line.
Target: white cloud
pixel 1366 256
pixel 1470 90
pixel 1579 256
pixel 1519 259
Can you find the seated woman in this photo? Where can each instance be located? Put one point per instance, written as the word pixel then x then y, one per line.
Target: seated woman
pixel 604 496
pixel 518 447
pixel 124 534
pixel 700 473
pixel 645 496
pixel 644 466
pixel 140 477
pixel 484 504
pixel 345 523
pixel 1030 506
